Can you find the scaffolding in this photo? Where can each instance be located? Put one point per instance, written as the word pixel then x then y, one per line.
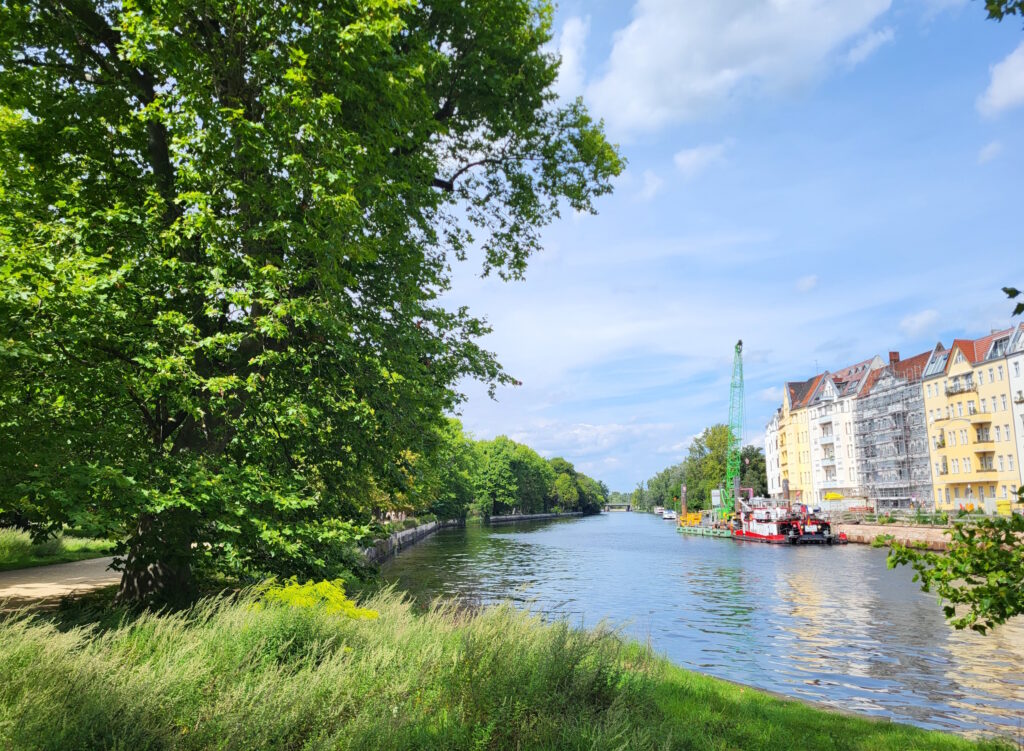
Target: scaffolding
pixel 892 442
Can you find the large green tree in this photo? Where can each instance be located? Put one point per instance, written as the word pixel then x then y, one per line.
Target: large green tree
pixel 224 227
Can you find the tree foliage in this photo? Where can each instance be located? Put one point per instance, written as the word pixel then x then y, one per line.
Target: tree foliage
pixel 515 479
pixel 999 9
pixel 701 471
pixel 980 577
pixel 224 227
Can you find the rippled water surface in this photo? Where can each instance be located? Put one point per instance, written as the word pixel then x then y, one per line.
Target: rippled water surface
pixel 829 624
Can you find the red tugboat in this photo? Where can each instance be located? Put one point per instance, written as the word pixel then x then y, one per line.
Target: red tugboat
pixel 782 524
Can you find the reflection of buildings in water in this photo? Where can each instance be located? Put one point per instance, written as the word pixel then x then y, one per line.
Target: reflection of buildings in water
pixel 724 592
pixel 990 670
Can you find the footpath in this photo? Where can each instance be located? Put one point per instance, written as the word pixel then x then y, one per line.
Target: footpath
pixel 53 582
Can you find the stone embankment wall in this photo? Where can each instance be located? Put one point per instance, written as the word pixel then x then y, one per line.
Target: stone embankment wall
pixel 934 538
pixel 528 517
pixel 384 549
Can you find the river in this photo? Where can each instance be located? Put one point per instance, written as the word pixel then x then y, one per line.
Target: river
pixel 832 625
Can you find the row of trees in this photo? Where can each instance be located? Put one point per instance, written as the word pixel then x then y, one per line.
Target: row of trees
pixel 702 471
pixel 499 476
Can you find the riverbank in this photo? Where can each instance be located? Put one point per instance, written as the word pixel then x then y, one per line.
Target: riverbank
pixel 384 549
pixel 238 674
pixel 509 518
pixel 931 538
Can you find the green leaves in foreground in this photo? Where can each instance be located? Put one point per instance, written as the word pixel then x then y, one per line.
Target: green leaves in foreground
pixel 980 577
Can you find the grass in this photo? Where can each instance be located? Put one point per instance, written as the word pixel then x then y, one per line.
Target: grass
pixel 18 551
pixel 231 674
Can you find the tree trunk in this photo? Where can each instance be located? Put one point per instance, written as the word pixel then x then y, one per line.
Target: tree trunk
pixel 158 567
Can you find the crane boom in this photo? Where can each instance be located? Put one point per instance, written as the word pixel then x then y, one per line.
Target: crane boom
pixel 733 465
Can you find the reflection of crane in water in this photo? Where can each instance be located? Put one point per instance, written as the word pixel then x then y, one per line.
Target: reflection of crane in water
pixel 733 463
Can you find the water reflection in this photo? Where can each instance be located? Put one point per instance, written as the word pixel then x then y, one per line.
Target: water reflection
pixel 829 624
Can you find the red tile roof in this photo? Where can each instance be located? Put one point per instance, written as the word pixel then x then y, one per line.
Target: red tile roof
pixel 975 350
pixel 913 367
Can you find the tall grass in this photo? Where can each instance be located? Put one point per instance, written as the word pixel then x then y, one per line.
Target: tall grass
pixel 18 551
pixel 229 674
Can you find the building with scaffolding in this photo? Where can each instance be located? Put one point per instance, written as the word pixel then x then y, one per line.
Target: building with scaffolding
pixel 891 436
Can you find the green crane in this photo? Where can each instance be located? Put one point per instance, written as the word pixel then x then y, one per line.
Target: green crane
pixel 733 464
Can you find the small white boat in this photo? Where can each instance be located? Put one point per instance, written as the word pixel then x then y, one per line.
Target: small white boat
pixel 669 515
pixel 659 510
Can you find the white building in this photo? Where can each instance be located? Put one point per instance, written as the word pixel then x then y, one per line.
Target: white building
pixel 773 466
pixel 831 415
pixel 1015 366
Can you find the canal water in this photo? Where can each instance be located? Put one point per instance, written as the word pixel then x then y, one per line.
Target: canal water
pixel 832 625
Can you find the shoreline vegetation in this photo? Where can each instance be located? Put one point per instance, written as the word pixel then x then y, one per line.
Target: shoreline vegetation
pixel 17 551
pixel 302 666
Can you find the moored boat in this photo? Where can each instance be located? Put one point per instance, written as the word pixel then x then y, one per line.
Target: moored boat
pixel 783 525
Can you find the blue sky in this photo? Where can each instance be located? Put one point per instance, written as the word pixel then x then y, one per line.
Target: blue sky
pixel 825 179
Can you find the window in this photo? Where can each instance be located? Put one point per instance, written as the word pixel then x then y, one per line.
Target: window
pixel 956 466
pixel 963 437
pixel 1000 370
pixel 936 469
pixel 1016 368
pixel 956 493
pixel 1006 430
pixel 959 409
pixel 997 434
pixel 1009 460
pixel 967 465
pixel 1003 400
pixel 952 438
pixel 1001 464
pixel 981 377
pixel 1004 491
pixel 971 409
pixel 991 375
pixel 992 488
pixel 984 405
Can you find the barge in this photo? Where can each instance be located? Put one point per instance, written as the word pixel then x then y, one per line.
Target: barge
pixel 762 521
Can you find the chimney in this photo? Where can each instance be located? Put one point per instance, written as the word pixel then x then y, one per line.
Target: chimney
pixel 894 357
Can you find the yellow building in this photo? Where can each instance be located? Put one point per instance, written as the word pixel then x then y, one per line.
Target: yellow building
pixel 795 466
pixel 971 431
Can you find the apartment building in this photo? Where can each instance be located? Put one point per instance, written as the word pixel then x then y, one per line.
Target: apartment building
pixel 973 444
pixel 1015 367
pixel 790 430
pixel 891 436
pixel 831 409
pixel 772 462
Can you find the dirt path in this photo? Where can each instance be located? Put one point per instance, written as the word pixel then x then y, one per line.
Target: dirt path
pixel 58 580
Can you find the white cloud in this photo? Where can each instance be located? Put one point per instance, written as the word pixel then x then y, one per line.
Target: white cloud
pixel 868 44
pixel 652 185
pixel 571 46
pixel 678 61
pixel 1006 85
pixel 807 283
pixel 691 162
pixel 771 394
pixel 989 152
pixel 920 323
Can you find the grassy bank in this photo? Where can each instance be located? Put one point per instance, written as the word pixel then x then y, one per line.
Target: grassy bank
pixel 233 675
pixel 18 551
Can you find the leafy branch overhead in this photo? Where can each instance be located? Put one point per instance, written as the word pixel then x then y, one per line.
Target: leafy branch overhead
pixel 1013 294
pixel 225 227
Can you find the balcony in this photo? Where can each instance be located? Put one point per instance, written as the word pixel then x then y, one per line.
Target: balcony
pixel 987 469
pixel 830 438
pixel 980 418
pixel 828 461
pixel 960 388
pixel 944 471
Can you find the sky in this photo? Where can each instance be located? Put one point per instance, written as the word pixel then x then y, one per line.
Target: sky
pixel 824 179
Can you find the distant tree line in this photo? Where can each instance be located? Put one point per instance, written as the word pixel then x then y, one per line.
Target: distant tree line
pixel 500 476
pixel 701 471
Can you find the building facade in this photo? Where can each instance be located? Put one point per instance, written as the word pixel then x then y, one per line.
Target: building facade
pixel 972 438
pixel 831 410
pixel 1015 367
pixel 773 467
pixel 891 436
